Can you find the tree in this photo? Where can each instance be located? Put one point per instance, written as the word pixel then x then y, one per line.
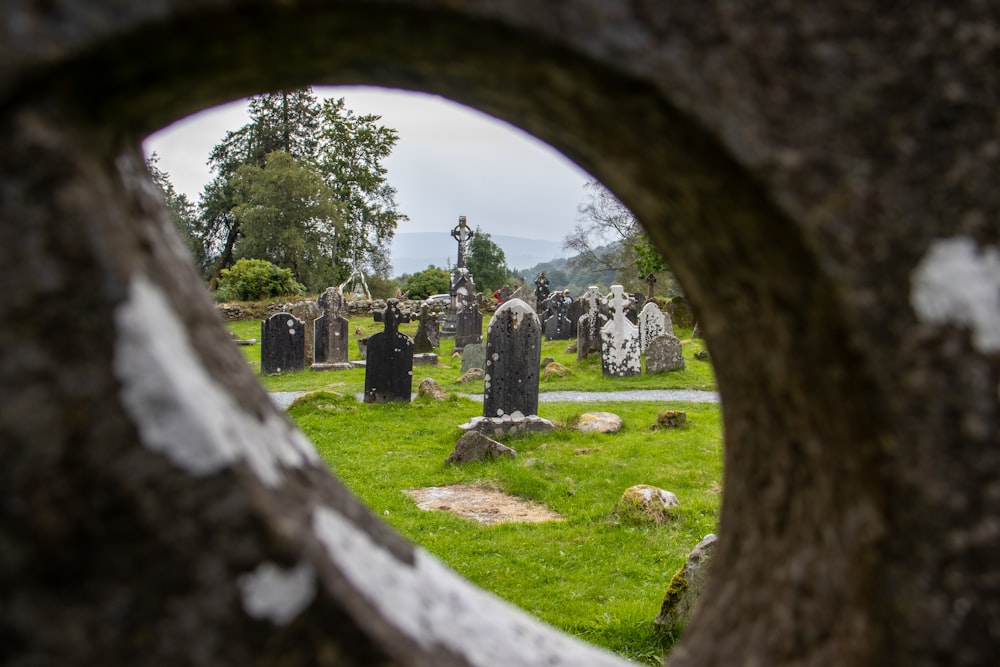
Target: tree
pixel 344 150
pixel 288 216
pixel 609 238
pixel 180 207
pixel 487 262
pixel 432 280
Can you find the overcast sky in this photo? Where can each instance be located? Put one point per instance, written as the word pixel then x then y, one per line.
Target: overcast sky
pixel 449 161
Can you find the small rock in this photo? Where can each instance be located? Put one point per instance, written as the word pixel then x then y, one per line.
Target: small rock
pixel 701 355
pixel 554 369
pixel 599 422
pixel 429 387
pixel 686 586
pixel 670 419
pixel 546 361
pixel 472 374
pixel 645 504
pixel 571 348
pixel 474 446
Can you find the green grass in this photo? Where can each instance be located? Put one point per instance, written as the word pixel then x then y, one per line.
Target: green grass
pixel 592 577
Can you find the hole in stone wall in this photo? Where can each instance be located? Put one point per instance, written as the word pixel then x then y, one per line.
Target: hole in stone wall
pixel 525 196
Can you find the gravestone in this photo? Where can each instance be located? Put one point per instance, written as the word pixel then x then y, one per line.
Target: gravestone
pixel 513 352
pixel 652 323
pixel 557 325
pixel 428 334
pixel 541 288
pixel 282 344
pixel 389 366
pixel 620 354
pixel 473 356
pixel 469 321
pixel 664 354
pixel 588 325
pixel 526 294
pixel 330 344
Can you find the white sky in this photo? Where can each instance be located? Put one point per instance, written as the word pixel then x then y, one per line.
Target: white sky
pixel 450 160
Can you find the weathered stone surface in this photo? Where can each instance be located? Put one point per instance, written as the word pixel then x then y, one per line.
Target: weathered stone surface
pixel 428 335
pixel 820 179
pixel 664 354
pixel 431 388
pixel 653 322
pixel 512 424
pixel 282 344
pixel 389 363
pixel 513 350
pixel 644 503
pixel 472 375
pixel 474 446
pixel 599 422
pixel 425 359
pixel 671 419
pixel 589 324
pixel 473 356
pixel 554 369
pixel 620 354
pixel 686 586
pixel 330 343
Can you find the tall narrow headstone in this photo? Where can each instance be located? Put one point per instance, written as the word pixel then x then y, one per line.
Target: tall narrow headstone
pixel 588 327
pixel 652 323
pixel 282 344
pixel 513 353
pixel 620 354
pixel 330 344
pixel 389 366
pixel 428 334
pixel 557 325
pixel 469 322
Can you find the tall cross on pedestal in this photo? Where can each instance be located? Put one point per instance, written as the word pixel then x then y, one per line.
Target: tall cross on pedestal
pixel 617 302
pixel 462 234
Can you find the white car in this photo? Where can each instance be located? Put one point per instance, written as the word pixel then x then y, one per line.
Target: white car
pixel 437 297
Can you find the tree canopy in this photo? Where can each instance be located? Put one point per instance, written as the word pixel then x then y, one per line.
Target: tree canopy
pixel 487 262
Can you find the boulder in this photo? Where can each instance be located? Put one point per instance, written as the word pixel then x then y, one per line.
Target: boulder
pixel 646 504
pixel 474 446
pixel 685 587
pixel 599 422
pixel 429 387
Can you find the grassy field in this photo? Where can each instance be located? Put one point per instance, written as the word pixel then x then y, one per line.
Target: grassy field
pixel 588 574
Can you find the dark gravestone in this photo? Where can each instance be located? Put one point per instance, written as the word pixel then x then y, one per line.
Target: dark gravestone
pixel 541 288
pixel 588 325
pixel 282 344
pixel 620 355
pixel 558 325
pixel 330 329
pixel 513 351
pixel 469 322
pixel 389 366
pixel 428 334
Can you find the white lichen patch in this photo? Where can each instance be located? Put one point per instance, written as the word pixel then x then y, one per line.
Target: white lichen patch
pixel 179 410
pixel 275 594
pixel 434 607
pixel 957 282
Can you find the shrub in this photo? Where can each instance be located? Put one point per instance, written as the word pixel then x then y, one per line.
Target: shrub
pixel 255 279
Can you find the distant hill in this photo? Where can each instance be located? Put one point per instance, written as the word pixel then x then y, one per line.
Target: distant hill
pixel 415 251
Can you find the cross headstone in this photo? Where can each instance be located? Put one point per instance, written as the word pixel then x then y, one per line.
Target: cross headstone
pixel 513 353
pixel 652 323
pixel 463 235
pixel 541 288
pixel 282 344
pixel 588 326
pixel 620 354
pixel 330 344
pixel 664 354
pixel 389 363
pixel 428 334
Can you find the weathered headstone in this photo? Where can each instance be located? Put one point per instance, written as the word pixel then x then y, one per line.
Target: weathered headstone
pixel 686 586
pixel 588 325
pixel 526 294
pixel 557 325
pixel 282 344
pixel 652 323
pixel 513 351
pixel 428 334
pixel 473 356
pixel 469 322
pixel 664 354
pixel 389 366
pixel 330 344
pixel 620 354
pixel 541 288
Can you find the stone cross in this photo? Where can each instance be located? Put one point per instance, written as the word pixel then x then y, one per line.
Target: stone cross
pixel 428 334
pixel 620 353
pixel 588 325
pixel 389 362
pixel 513 353
pixel 462 234
pixel 282 344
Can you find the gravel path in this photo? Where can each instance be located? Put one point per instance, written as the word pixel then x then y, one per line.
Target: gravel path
pixel 284 398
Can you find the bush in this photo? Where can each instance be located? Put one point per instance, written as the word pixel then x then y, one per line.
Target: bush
pixel 255 279
pixel 431 280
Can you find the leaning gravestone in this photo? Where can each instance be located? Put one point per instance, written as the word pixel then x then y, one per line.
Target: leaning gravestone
pixel 473 356
pixel 620 354
pixel 330 344
pixel 513 352
pixel 282 344
pixel 428 334
pixel 664 354
pixel 389 366
pixel 652 323
pixel 588 326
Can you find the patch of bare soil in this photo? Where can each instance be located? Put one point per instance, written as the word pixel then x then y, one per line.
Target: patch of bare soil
pixel 482 504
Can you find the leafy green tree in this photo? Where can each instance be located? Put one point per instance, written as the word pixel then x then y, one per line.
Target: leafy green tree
pixel 181 209
pixel 288 216
pixel 487 262
pixel 432 280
